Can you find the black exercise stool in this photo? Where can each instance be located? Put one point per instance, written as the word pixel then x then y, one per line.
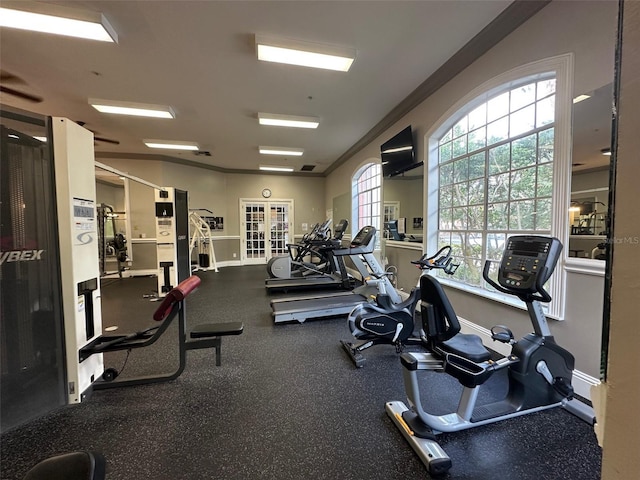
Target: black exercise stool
pixel 213 333
pixel 70 466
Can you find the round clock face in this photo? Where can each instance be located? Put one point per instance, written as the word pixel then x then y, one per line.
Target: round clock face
pixel 266 193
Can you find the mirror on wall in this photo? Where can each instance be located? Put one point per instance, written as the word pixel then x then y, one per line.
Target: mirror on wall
pixel 113 228
pixel 403 206
pixel 588 221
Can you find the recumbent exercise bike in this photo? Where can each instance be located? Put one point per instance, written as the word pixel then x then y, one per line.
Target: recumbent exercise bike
pixel 539 370
pixel 385 322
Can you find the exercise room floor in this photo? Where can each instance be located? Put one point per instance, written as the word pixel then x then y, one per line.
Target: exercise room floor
pixel 286 403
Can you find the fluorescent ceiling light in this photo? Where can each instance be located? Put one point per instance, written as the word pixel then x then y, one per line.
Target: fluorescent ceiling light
pixel 42 139
pixel 306 54
pixel 580 98
pixel 269 168
pixel 171 145
pixel 59 20
pixel 399 149
pixel 287 120
pixel 294 152
pixel 130 108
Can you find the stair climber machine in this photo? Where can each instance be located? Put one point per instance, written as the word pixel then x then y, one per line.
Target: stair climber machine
pixel 311 263
pixel 539 371
pixel 334 304
pixel 385 322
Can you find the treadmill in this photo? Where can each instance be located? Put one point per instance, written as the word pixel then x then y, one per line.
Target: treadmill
pixel 341 303
pixel 336 277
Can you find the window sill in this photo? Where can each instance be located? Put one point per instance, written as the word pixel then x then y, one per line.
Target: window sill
pixel 503 299
pixel 586 266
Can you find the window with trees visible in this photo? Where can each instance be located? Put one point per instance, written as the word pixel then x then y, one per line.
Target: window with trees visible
pixel 499 164
pixel 495 172
pixel 366 196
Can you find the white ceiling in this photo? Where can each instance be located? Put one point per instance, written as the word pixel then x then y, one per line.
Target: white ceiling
pixel 199 58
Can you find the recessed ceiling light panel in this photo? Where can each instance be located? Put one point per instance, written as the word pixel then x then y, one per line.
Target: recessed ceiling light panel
pixel 56 19
pixel 277 120
pixel 131 108
pixel 306 54
pixel 171 144
pixel 273 168
pixel 294 152
pixel 580 98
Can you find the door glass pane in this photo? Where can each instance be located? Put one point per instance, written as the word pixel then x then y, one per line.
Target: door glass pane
pixel 255 234
pixel 279 228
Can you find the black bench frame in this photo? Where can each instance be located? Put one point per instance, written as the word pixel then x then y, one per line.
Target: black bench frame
pixel 173 305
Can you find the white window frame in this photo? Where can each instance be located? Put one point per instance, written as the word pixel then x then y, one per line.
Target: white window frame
pixel 355 205
pixel 561 67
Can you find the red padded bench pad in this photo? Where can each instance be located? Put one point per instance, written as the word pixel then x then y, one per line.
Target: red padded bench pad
pixel 177 294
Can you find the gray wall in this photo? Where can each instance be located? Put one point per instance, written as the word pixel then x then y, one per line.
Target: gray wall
pixel 111 195
pixel 215 191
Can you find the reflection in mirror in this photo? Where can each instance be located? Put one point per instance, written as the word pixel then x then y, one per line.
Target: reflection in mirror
pixel 113 229
pixel 403 206
pixel 590 175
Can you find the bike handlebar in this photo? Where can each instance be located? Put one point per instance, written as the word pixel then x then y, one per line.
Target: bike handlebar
pixel 441 260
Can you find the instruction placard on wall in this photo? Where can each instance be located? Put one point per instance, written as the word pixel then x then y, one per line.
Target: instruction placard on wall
pixel 84 221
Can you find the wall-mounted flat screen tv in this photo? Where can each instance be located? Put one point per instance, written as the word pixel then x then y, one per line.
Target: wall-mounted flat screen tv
pixel 398 154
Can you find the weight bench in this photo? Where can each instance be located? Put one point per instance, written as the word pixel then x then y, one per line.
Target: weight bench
pixel 213 333
pixel 173 305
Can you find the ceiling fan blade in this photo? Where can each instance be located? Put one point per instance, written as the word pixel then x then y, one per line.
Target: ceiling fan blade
pixel 106 140
pixel 23 95
pixel 8 77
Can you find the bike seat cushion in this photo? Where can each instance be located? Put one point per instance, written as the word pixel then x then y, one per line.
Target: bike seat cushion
pixel 70 466
pixel 466 345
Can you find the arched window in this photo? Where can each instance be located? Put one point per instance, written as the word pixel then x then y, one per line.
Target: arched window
pixel 495 171
pixel 366 197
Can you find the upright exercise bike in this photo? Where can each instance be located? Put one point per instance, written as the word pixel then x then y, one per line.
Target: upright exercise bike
pixel 539 370
pixel 385 322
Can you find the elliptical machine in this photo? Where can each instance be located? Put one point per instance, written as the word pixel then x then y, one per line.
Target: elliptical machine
pixel 312 255
pixel 539 370
pixel 385 322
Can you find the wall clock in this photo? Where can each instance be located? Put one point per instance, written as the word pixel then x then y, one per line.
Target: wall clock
pixel 266 193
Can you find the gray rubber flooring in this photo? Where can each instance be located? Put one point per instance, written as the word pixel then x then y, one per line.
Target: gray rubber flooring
pixel 286 403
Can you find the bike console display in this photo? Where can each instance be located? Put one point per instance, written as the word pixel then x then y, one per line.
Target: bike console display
pixel 528 262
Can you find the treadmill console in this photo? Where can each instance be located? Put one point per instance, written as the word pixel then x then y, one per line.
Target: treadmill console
pixel 526 258
pixel 364 237
pixel 339 229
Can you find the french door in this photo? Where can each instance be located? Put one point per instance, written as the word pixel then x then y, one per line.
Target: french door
pixel 266 229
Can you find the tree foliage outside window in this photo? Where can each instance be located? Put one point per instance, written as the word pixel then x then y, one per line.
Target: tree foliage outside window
pixel 367 196
pixel 495 172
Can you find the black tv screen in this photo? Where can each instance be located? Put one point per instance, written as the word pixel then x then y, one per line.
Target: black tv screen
pixel 398 154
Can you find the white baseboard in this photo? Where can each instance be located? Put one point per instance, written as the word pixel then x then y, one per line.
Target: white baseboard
pixel 140 273
pixel 229 263
pixel 581 382
pixel 151 271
